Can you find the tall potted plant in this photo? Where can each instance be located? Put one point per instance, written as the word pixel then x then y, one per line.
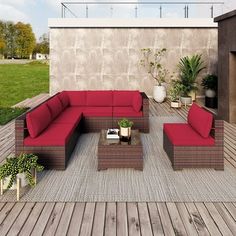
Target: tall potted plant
pixel 209 83
pixel 189 69
pixel 125 128
pixel 152 62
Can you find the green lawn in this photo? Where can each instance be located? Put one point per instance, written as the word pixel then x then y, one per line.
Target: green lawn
pixel 18 82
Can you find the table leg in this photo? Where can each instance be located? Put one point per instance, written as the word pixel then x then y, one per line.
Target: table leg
pixel 18 186
pixel 1 186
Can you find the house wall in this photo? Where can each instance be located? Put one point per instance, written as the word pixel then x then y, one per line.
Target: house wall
pixel 85 57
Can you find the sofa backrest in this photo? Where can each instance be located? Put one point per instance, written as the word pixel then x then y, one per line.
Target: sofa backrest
pixel 200 120
pixel 99 98
pixel 77 98
pixel 123 98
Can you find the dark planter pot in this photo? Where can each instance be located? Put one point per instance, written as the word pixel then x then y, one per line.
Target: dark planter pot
pixel 211 102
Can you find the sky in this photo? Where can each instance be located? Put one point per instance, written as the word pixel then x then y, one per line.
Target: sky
pixel 37 12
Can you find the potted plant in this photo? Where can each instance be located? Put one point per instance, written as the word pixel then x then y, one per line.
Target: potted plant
pixel 152 62
pixel 125 128
pixel 174 92
pixel 19 167
pixel 209 83
pixel 189 69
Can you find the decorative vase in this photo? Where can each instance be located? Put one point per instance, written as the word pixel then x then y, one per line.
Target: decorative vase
pixel 159 93
pixel 210 93
pixel 186 100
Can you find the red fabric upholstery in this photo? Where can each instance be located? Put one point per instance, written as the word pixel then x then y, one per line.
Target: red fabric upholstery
pixel 97 111
pixel 184 135
pixel 38 120
pixel 200 120
pixel 55 106
pixel 137 102
pixel 123 98
pixel 64 99
pixel 99 98
pixel 69 115
pixel 77 98
pixel 55 135
pixel 126 112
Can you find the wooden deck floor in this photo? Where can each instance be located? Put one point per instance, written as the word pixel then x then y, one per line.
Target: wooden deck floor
pixel 112 218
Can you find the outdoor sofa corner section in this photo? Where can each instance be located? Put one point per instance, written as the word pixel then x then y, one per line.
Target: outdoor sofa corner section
pixel 74 112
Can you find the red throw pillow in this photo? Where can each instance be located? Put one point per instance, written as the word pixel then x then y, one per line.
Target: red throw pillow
pixel 55 106
pixel 64 99
pixel 137 102
pixel 38 120
pixel 200 120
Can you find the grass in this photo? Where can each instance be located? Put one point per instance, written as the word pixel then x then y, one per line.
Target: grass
pixel 18 82
pixel 7 113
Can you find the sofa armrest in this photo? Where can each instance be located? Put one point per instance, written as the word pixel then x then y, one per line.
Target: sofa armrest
pixel 145 104
pixel 219 133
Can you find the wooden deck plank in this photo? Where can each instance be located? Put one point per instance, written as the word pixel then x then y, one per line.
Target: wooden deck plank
pixel 5 211
pixel 110 223
pixel 165 219
pixel 22 217
pixel 87 222
pixel 99 219
pixel 231 209
pixel 5 226
pixel 54 219
pixel 209 222
pixel 155 219
pixel 177 223
pixel 122 219
pixel 32 219
pixel 186 219
pixel 133 219
pixel 43 219
pixel 65 219
pixel 76 219
pixel 144 219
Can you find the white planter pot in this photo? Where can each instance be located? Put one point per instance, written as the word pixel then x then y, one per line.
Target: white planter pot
pixel 210 93
pixel 21 176
pixel 186 100
pixel 125 132
pixel 175 104
pixel 159 93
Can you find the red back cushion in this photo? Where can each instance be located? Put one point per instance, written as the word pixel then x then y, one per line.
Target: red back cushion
pixel 123 98
pixel 55 106
pixel 137 102
pixel 99 98
pixel 64 99
pixel 77 98
pixel 38 120
pixel 200 120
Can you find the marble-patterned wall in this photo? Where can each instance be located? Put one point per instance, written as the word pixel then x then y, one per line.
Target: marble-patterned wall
pixel 108 58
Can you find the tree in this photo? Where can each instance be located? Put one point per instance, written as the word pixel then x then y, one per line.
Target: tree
pixel 25 40
pixel 43 45
pixel 2 39
pixel 10 39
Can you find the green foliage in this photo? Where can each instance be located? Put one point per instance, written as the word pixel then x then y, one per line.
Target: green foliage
pixel 8 113
pixel 125 123
pixel 175 90
pixel 19 82
pixel 152 62
pixel 189 69
pixel 209 82
pixel 21 164
pixel 43 45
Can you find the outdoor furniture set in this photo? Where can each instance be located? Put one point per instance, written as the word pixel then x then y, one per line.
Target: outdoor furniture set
pixel 51 130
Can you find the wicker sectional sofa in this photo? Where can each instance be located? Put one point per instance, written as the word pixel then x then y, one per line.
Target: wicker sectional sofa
pixel 199 143
pixel 51 129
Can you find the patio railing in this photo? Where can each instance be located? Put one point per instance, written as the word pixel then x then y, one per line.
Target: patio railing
pixel 141 9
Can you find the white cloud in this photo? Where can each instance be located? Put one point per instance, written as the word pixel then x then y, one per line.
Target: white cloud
pixel 15 2
pixel 11 13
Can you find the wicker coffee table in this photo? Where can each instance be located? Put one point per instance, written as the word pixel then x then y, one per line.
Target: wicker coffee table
pixel 118 154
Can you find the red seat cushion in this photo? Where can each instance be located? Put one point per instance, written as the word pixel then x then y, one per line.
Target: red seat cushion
pixel 77 98
pixel 123 98
pixel 55 106
pixel 126 112
pixel 137 102
pixel 200 120
pixel 97 111
pixel 64 99
pixel 38 120
pixel 69 115
pixel 99 98
pixel 54 135
pixel 185 135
